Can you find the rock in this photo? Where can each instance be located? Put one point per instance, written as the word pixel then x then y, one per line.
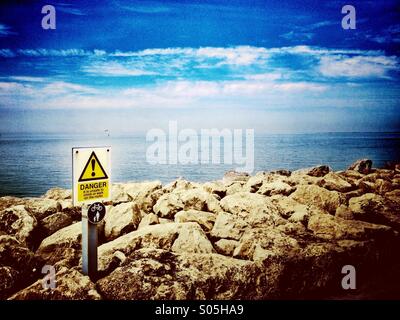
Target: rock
pixel 121 219
pixel 382 186
pixel 350 176
pixel 198 199
pixel 144 194
pixel 18 222
pixel 255 182
pixel 226 246
pixel 70 285
pixel 233 176
pixel 275 188
pixel 148 220
pixel 362 166
pixel 262 244
pixel 319 197
pixel 301 178
pixel 179 237
pixel 192 239
pixel 8 280
pixel 41 207
pixel 376 209
pixel 333 182
pixel 161 275
pixel 344 212
pixel 58 194
pixel 282 172
pixel 7 202
pixel 118 194
pixel 228 226
pixel 216 188
pixel 168 204
pixel 179 184
pixel 204 219
pixel 55 222
pixel 54 248
pixel 18 266
pixel 163 220
pixel 234 188
pixel 248 204
pixel 318 171
pixel 295 211
pixel 393 196
pixel 74 212
pixel 329 227
pixel 352 194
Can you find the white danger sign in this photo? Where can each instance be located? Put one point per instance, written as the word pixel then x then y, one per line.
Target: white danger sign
pixel 91 174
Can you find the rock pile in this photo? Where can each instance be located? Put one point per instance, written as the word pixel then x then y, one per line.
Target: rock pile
pixel 273 235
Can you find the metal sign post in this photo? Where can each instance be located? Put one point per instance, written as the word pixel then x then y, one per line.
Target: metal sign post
pixel 91 174
pixel 89 245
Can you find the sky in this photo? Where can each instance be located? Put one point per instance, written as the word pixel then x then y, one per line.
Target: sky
pixel 129 66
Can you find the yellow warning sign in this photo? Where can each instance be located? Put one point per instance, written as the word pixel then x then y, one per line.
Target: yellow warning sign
pixel 92 190
pixel 93 170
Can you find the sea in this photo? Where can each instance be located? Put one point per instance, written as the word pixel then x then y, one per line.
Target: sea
pixel 30 164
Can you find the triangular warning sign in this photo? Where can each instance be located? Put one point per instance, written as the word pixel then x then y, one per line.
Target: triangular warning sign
pixel 93 170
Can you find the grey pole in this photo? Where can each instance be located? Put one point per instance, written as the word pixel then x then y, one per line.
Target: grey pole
pixel 89 245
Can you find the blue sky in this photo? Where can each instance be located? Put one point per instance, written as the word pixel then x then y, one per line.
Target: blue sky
pixel 275 66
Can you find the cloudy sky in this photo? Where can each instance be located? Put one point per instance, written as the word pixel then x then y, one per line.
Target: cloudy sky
pixel 128 66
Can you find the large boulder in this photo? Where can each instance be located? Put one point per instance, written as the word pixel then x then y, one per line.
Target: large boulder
pixel 329 227
pixel 324 199
pixel 70 285
pixel 276 188
pixel 374 208
pixel 55 222
pixel 121 219
pixel 64 244
pixel 317 171
pixel 8 281
pixel 8 201
pixel 363 166
pixel 226 246
pixel 234 176
pixel 58 194
pixel 204 219
pixel 151 274
pixel 228 226
pixel 148 220
pixel 144 194
pixel 216 188
pixel 295 211
pixel 18 222
pixel 18 265
pixel 263 244
pixel 332 181
pixel 178 237
pixel 255 209
pixel 184 199
pixel 42 207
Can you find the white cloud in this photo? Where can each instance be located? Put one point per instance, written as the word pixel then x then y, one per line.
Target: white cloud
pixel 358 66
pixel 115 69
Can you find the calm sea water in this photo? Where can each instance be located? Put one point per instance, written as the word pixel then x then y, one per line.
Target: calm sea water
pixel 31 164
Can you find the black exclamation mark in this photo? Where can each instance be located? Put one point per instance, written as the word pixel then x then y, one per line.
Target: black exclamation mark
pixel 93 163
